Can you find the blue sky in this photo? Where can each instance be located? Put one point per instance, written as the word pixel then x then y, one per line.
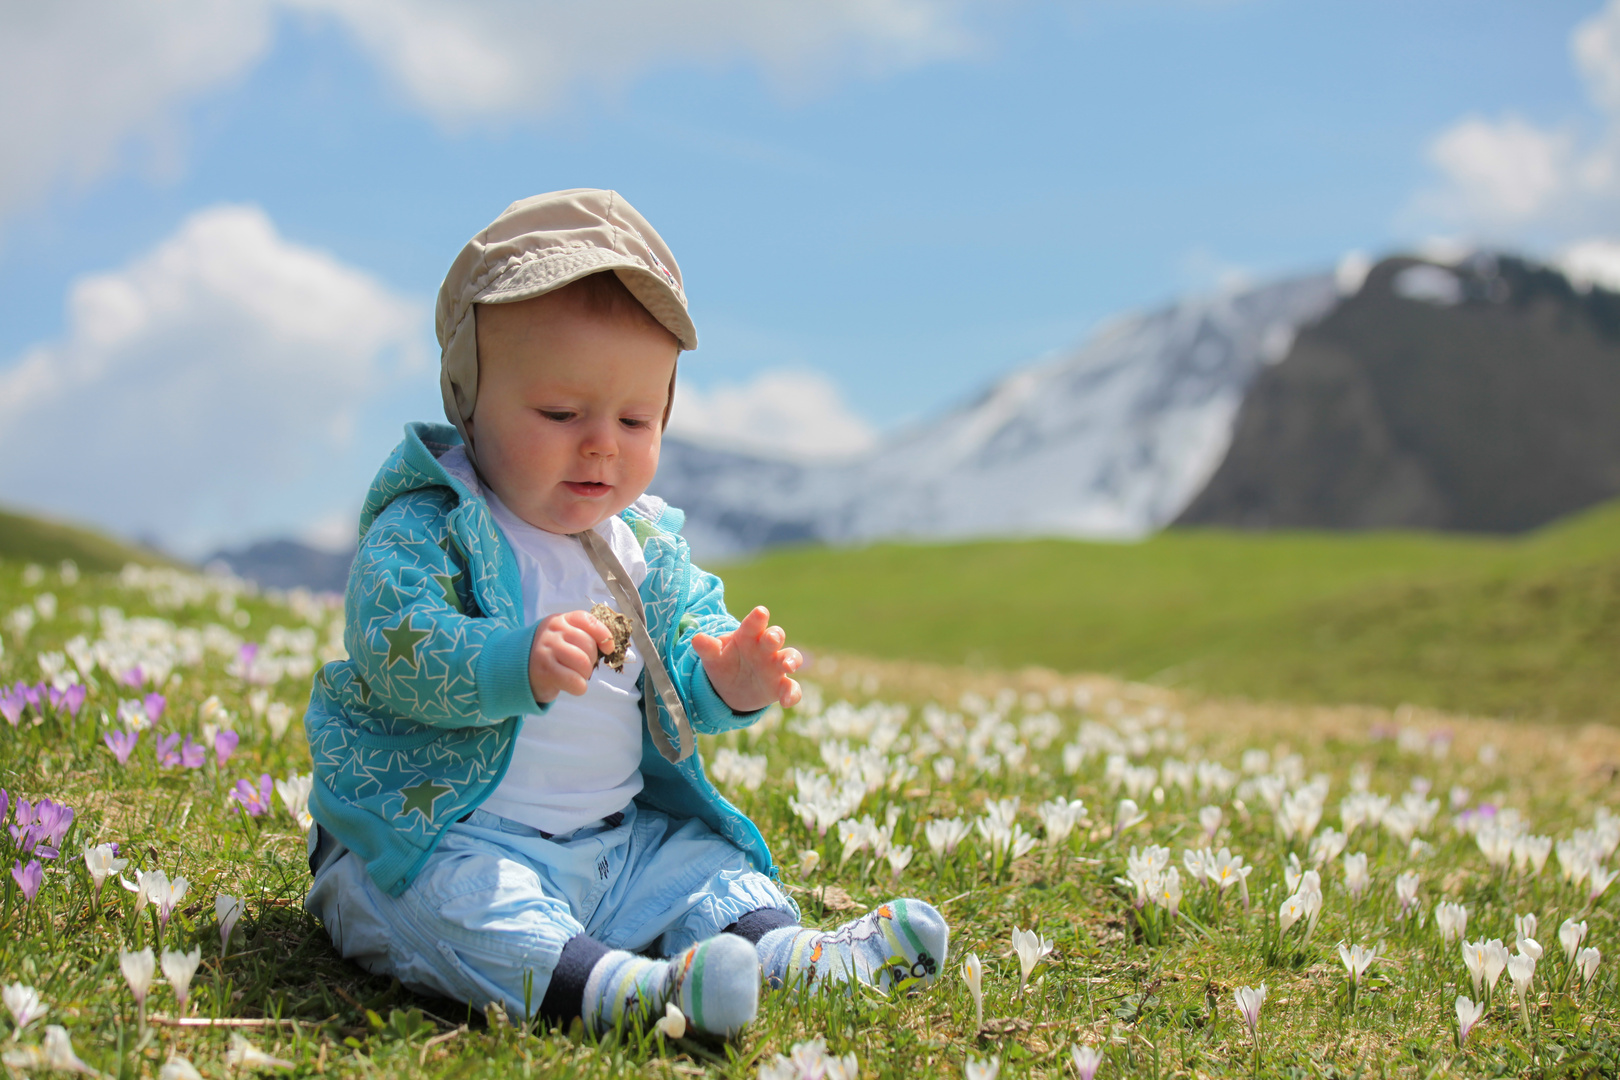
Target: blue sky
pixel 892 201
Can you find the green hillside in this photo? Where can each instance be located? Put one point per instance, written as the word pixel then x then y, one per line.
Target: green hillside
pixel 1527 626
pixel 24 538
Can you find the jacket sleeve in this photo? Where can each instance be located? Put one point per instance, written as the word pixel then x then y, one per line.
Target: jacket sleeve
pixel 409 632
pixel 705 614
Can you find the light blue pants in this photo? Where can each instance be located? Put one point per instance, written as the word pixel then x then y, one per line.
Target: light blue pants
pixel 497 900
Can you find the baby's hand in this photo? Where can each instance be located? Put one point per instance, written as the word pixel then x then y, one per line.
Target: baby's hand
pixel 749 667
pixel 564 654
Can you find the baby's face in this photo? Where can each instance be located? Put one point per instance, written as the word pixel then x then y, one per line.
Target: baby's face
pixel 570 411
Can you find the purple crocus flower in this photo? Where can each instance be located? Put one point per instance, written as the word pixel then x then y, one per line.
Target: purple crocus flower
pixel 53 820
pixel 154 703
pixel 134 677
pixel 69 698
pixel 12 704
pixel 24 818
pixel 168 754
pixel 28 878
pixel 32 693
pixel 5 803
pixel 192 755
pixel 255 801
pixel 225 745
pixel 40 828
pixel 122 744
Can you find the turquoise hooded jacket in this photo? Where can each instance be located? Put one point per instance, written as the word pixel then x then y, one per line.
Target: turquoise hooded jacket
pixel 416 728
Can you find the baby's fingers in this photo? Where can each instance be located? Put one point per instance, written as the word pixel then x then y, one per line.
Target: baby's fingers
pixel 592 627
pixel 708 648
pixel 753 624
pixel 791 695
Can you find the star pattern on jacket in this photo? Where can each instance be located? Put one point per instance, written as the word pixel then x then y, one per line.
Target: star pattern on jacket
pixel 419 798
pixel 403 641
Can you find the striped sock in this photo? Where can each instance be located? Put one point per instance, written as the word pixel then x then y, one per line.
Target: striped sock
pixel 900 940
pixel 715 983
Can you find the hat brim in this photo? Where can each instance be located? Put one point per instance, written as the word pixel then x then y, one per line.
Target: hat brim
pixel 546 272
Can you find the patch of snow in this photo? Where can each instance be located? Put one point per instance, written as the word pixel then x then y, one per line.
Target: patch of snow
pixel 1428 284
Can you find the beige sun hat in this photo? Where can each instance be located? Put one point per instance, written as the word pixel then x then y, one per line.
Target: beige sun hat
pixel 540 244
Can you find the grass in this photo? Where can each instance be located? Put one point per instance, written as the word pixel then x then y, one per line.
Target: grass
pixel 1155 993
pixel 27 538
pixel 1527 627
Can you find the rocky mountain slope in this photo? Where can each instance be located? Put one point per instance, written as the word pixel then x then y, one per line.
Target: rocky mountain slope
pixel 1483 397
pixel 1110 441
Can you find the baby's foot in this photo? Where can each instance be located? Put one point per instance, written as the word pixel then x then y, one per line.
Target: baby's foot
pixel 901 943
pixel 715 983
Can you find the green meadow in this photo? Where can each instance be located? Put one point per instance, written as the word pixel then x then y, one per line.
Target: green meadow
pixel 1164 856
pixel 1526 626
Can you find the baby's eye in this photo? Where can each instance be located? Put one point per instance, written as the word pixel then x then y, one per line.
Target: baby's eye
pixel 632 422
pixel 557 415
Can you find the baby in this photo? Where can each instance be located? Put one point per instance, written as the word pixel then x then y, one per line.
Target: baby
pixel 499 816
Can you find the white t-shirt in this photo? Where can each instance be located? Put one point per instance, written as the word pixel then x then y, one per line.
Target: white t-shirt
pixel 581 759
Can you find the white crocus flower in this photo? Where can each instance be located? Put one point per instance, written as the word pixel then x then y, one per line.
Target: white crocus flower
pixel 1570 936
pixel 1356 877
pixel 178 968
pixel 1356 960
pixel 1292 910
pixel 988 1069
pixel 1406 889
pixel 1086 1060
pixel 1468 1014
pixel 899 858
pixel 244 1055
pixel 179 1069
pixel 1521 969
pixel 59 1053
pixel 1326 846
pixel 1496 958
pixel 944 834
pixel 1484 961
pixel 1587 961
pixel 1249 1000
pixel 672 1025
pixel 1452 921
pixel 294 792
pixel 100 861
pixel 1209 819
pixel 1598 880
pixel 24 1005
pixel 1292 872
pixel 810 1059
pixel 138 969
pixel 1030 947
pixel 227 909
pixel 1127 815
pixel 973 975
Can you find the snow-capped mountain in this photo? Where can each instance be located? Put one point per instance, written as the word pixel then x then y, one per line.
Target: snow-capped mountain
pixel 1111 441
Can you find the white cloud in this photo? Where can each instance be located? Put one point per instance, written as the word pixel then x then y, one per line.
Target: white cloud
pixel 209 391
pixel 780 414
pixel 86 82
pixel 1500 177
pixel 471 59
pixel 1502 171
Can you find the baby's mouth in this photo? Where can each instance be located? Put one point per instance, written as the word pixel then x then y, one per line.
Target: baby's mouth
pixel 587 487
